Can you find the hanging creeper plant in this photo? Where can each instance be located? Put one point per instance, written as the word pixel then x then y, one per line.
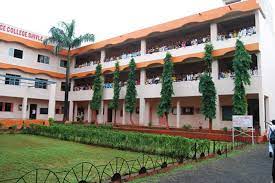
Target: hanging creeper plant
pixel 166 89
pixel 131 93
pixel 241 65
pixel 207 88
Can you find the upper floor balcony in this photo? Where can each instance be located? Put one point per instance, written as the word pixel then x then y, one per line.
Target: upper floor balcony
pixel 187 40
pixel 16 86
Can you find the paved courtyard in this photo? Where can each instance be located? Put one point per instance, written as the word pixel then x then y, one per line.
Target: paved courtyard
pixel 253 166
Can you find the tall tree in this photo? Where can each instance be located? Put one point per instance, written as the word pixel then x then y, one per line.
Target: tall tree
pixel 167 89
pixel 207 87
pixel 131 92
pixel 63 37
pixel 95 103
pixel 241 65
pixel 115 102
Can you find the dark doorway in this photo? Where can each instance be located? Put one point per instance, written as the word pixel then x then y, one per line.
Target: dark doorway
pixel 33 111
pixel 110 115
pixel 253 109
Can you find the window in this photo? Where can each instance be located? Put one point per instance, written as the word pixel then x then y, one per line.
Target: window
pixel 187 110
pixel 227 113
pixel 63 63
pixel 1 106
pixel 41 83
pixel 43 110
pixel 43 59
pixel 63 85
pixel 12 79
pixel 16 53
pixel 8 107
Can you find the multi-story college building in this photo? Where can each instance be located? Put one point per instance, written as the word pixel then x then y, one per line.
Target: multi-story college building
pixel 32 77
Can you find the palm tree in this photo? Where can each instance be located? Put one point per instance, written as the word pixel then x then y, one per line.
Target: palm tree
pixel 63 37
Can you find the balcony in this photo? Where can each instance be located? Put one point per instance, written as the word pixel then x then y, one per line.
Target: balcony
pixel 17 86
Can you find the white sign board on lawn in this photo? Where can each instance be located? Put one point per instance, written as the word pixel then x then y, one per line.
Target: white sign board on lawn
pixel 243 121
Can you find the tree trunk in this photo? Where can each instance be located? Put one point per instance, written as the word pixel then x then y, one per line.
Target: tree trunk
pixel 166 121
pixel 95 117
pixel 115 118
pixel 210 124
pixel 131 119
pixel 67 85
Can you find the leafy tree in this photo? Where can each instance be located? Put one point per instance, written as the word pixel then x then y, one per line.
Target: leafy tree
pixel 167 89
pixel 207 87
pixel 63 37
pixel 241 65
pixel 115 102
pixel 131 93
pixel 95 103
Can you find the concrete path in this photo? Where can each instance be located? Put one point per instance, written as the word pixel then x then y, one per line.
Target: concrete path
pixel 252 166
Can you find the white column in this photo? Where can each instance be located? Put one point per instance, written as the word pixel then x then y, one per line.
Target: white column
pixel 215 70
pixel 124 114
pixel 71 111
pixel 147 113
pixel 102 56
pixel 24 107
pixel 52 93
pixel 72 85
pixel 89 111
pixel 262 113
pixel 216 122
pixel 142 112
pixel 101 115
pixel 105 113
pixel 257 22
pixel 213 32
pixel 142 77
pixel 75 111
pixel 143 47
pixel 178 114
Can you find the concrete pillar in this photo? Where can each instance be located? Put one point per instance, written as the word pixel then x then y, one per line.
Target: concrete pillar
pixel 75 111
pixel 72 85
pixel 215 70
pixel 71 111
pixel 102 56
pixel 52 93
pixel 24 107
pixel 100 116
pixel 143 47
pixel 142 77
pixel 147 113
pixel 124 114
pixel 257 23
pixel 105 113
pixel 216 122
pixel 262 113
pixel 142 109
pixel 213 32
pixel 89 111
pixel 178 114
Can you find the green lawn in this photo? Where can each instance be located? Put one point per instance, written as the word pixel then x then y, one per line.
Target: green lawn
pixel 20 153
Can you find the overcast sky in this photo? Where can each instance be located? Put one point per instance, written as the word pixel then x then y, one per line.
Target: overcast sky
pixel 104 18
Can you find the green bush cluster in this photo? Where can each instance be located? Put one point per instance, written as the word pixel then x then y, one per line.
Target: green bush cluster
pixel 105 136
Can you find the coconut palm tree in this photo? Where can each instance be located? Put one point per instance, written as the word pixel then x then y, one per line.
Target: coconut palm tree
pixel 63 37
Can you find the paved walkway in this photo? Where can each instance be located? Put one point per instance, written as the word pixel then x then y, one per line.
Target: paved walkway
pixel 252 166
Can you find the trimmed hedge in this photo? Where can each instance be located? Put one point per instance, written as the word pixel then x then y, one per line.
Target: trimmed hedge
pixel 134 141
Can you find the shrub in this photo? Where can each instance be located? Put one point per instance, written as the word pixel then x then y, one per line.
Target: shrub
pixel 51 121
pixel 186 127
pixel 225 129
pixel 133 141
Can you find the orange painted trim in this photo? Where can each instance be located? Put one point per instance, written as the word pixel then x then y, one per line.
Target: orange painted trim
pixel 29 43
pixel 31 70
pixel 245 6
pixel 216 53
